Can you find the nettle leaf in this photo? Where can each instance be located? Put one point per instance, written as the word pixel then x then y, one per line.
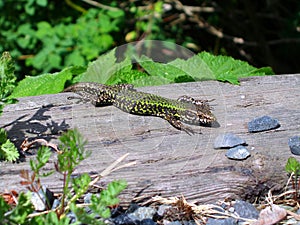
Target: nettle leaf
pixel 46 83
pixel 102 69
pixel 225 68
pixel 167 71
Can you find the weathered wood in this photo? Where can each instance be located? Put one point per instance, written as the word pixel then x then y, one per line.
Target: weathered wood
pixel 170 162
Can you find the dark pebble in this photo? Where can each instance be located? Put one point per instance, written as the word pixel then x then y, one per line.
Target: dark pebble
pixel 147 222
pixel 228 140
pixel 132 207
pixel 188 222
pixel 245 210
pixel 116 211
pixel 239 152
pixel 262 124
pixel 72 217
pixel 294 144
pixel 227 221
pixel 125 219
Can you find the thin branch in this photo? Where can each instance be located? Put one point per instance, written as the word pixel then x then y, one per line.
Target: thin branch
pixel 74 6
pixel 99 5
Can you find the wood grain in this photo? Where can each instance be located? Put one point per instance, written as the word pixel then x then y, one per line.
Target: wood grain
pixel 169 162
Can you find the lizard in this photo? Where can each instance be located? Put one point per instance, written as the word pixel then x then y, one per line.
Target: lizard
pixel 123 96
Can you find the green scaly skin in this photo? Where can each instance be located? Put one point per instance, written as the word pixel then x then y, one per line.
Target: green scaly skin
pixel 125 97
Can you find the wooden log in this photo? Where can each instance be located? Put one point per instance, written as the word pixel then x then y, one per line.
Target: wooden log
pixel 169 162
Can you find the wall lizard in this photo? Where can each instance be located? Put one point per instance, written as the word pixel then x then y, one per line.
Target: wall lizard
pixel 125 97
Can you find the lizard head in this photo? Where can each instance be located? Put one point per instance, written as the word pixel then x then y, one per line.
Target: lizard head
pixel 199 115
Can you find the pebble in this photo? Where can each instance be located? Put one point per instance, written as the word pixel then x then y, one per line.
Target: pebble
pixel 239 152
pixel 228 140
pixel 147 222
pixel 262 124
pixel 38 199
pixel 125 219
pixel 161 209
pixel 227 221
pixel 72 217
pixel 294 144
pixel 245 210
pixel 142 213
pixel 167 222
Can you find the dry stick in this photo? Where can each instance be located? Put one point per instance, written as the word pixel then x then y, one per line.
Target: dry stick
pixel 111 168
pixel 99 5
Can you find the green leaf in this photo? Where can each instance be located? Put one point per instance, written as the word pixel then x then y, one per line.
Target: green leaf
pixel 167 71
pixel 42 158
pixel 7 77
pixel 42 3
pixel 24 207
pixel 4 207
pixel 115 187
pixel 203 66
pixel 81 184
pixel 225 68
pixel 54 60
pixel 75 58
pixel 9 152
pixel 292 166
pixel 45 83
pixel 115 13
pixel 102 69
pixel 73 152
pixel 195 68
pixel 44 29
pixel 29 8
pixel 108 197
pixel 3 136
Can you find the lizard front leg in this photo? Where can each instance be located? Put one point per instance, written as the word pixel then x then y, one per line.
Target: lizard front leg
pixel 178 125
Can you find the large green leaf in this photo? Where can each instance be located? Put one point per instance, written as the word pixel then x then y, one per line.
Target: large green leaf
pixel 102 69
pixel 226 68
pixel 46 83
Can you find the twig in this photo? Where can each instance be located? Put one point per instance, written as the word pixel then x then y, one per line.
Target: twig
pixel 99 5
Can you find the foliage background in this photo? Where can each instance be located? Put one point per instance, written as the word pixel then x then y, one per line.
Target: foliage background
pixel 47 36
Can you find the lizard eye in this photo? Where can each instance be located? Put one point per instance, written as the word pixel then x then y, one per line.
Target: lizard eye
pixel 191 115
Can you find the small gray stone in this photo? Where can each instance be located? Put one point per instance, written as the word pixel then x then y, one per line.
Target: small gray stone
pixel 262 124
pixel 162 208
pixel 294 144
pixel 55 204
pixel 228 140
pixel 166 222
pixel 190 222
pixel 227 221
pixel 245 210
pixel 125 219
pixel 144 213
pixel 238 152
pixel 38 199
pixel 147 222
